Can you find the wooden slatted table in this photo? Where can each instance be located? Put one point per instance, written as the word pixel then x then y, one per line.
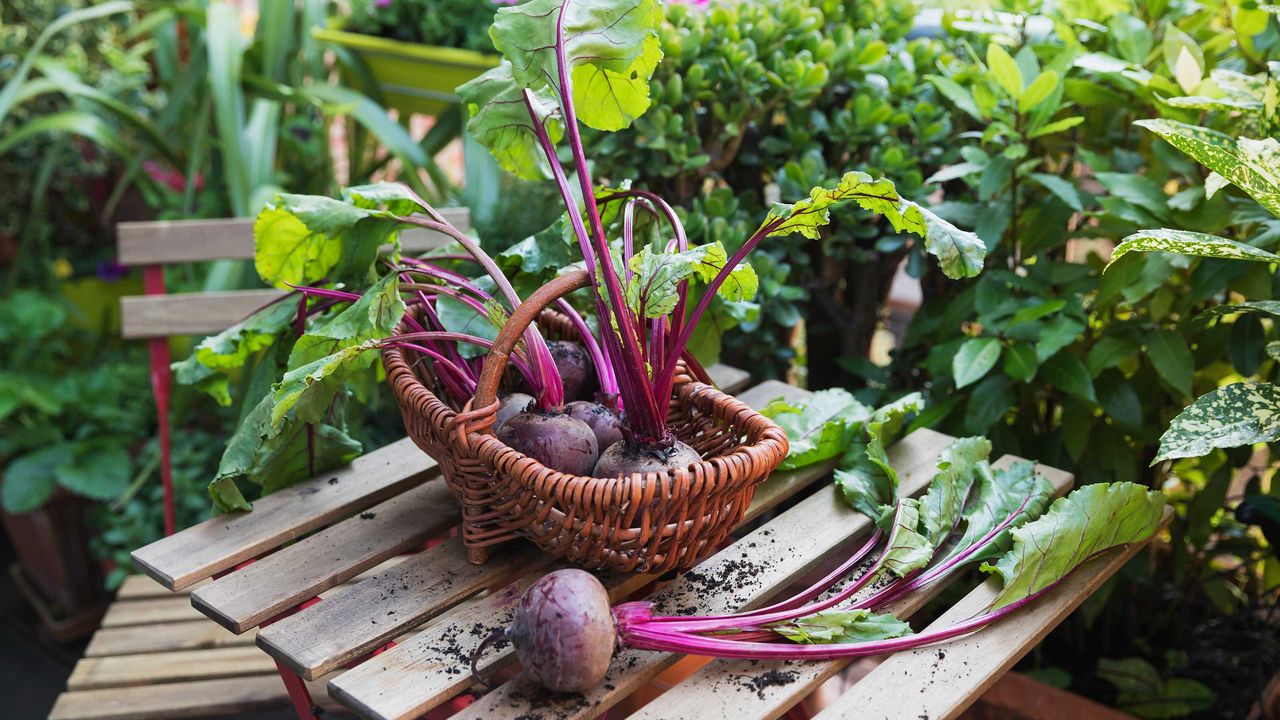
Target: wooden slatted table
pixel 437 607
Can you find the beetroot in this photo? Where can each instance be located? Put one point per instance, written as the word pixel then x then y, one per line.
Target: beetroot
pixel 553 439
pixel 623 458
pixel 512 404
pixel 563 631
pixel 575 367
pixel 604 422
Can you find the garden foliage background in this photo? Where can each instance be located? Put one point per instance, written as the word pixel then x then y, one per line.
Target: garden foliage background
pixel 1022 130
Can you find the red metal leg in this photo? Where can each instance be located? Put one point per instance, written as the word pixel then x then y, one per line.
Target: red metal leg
pixel 161 380
pixel 299 695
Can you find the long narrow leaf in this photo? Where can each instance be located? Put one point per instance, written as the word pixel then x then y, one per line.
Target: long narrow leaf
pixel 11 89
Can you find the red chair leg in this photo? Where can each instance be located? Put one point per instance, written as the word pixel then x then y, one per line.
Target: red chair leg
pixel 299 695
pixel 161 380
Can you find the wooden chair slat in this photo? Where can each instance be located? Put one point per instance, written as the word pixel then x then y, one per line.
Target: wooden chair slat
pixel 153 316
pixel 909 684
pixel 343 628
pixel 243 599
pixel 179 241
pixel 134 640
pixel 166 701
pixel 149 612
pixel 177 666
pixel 141 587
pixel 220 543
pixel 739 577
pixel 744 689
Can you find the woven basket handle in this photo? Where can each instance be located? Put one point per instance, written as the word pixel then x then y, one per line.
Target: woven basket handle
pixel 495 364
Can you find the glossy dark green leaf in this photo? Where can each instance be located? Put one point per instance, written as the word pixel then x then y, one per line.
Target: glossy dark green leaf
pixel 1172 359
pixel 1065 372
pixel 1248 344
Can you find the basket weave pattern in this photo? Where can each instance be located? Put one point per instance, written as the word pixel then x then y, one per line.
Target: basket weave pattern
pixel 643 523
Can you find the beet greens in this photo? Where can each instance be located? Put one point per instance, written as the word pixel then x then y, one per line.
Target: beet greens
pixel 970 513
pixel 589 61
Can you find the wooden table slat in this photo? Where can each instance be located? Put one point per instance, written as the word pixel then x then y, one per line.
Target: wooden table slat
pixel 349 625
pixel 243 599
pixel 910 684
pixel 731 689
pixel 222 542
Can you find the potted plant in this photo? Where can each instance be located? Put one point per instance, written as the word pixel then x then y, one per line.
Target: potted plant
pixel 417 51
pixel 66 431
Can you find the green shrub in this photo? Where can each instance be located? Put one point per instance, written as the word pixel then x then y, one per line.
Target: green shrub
pixel 755 101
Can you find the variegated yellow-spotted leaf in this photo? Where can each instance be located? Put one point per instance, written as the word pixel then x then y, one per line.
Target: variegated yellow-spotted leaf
pixel 1186 242
pixel 1231 416
pixel 1248 169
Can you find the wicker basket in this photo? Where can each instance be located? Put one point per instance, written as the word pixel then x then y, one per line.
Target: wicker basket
pixel 650 522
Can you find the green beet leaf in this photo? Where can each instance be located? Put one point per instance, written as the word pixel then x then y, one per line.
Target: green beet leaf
pixel 308 390
pixel 211 365
pixel 306 239
pixel 499 109
pixel 865 478
pixel 820 428
pixel 653 288
pixel 373 317
pixel 1231 416
pixel 960 253
pixel 1090 520
pixel 276 457
pixel 993 497
pixel 842 626
pixel 907 550
pixel 944 502
pixel 610 48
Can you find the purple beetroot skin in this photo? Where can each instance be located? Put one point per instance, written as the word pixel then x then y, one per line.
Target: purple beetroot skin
pixel 575 367
pixel 623 458
pixel 563 631
pixel 604 422
pixel 553 439
pixel 511 405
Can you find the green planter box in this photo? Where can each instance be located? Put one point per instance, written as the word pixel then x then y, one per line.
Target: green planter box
pixel 413 78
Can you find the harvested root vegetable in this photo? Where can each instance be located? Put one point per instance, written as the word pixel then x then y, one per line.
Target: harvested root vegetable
pixel 563 631
pixel 623 458
pixel 553 439
pixel 604 422
pixel 575 367
pixel 510 406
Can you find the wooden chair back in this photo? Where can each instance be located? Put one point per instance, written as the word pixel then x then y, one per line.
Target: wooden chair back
pixel 158 315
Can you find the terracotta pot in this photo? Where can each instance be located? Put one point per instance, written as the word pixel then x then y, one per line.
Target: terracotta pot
pixel 52 544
